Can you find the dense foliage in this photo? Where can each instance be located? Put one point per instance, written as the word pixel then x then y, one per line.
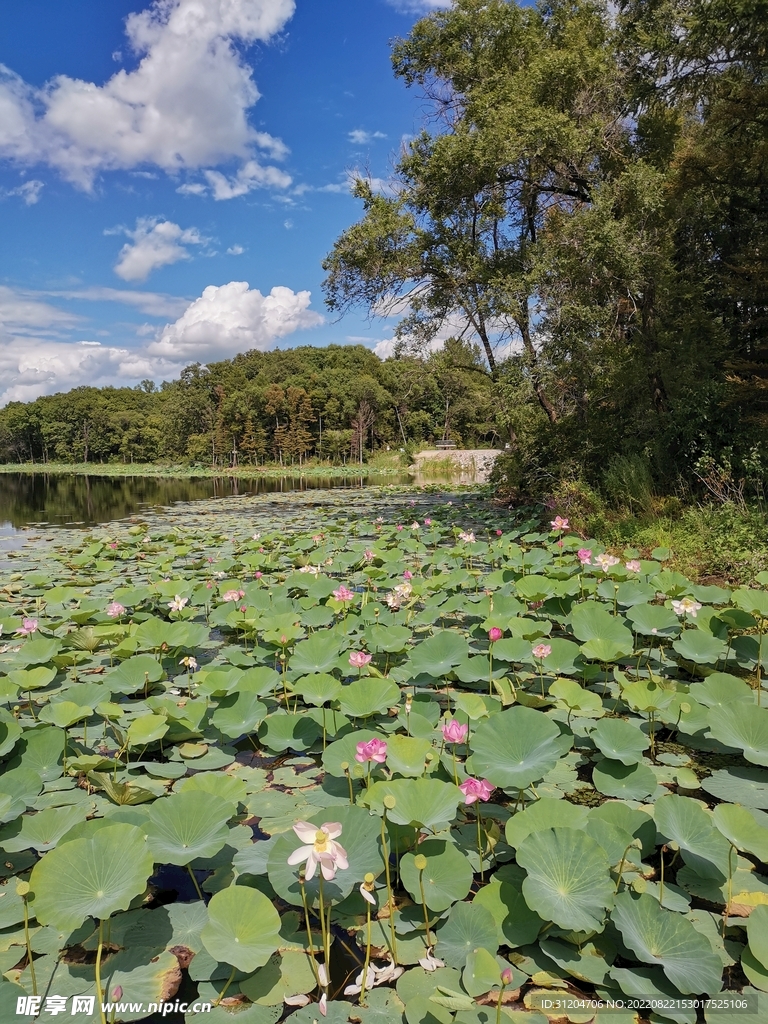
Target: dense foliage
pixel 531 771
pixel 338 403
pixel 590 193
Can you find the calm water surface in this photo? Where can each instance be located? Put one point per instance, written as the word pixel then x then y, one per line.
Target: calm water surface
pixel 40 499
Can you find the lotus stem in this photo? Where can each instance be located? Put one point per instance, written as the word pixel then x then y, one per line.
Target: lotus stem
pixel 308 925
pixel 223 992
pixel 727 911
pixel 421 862
pixel 99 991
pixel 390 898
pixel 324 927
pixel 28 940
pixel 195 883
pixel 480 846
pixel 661 875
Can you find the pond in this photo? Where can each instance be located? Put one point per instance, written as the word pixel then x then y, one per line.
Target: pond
pixel 46 499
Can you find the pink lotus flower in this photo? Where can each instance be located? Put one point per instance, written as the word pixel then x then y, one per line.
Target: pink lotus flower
pixel 498 533
pixel 257 575
pixel 541 651
pixel 606 561
pixel 243 608
pixel 454 731
pixel 559 523
pixel 359 659
pixel 113 545
pixel 233 595
pixel 28 626
pixel 476 789
pixel 373 750
pixel 467 536
pixel 427 522
pixel 399 527
pixel 407 575
pixel 584 555
pixel 320 849
pixel 369 556
pixel 115 610
pixel 494 634
pixel 343 594
pixel 633 566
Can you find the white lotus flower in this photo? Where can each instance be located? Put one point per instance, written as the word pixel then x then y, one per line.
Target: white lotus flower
pixel 686 606
pixel 320 849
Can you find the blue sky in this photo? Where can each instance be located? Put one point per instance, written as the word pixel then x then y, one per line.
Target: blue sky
pixel 173 173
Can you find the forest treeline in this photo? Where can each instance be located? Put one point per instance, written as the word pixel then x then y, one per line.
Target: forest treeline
pixel 339 403
pixel 585 211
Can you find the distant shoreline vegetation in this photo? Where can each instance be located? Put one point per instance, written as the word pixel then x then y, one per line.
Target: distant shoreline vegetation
pixel 151 469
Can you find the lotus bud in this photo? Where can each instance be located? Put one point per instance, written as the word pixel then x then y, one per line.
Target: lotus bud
pixel 117 992
pixel 506 976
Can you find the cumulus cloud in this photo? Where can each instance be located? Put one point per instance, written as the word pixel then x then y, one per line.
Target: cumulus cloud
pixel 234 318
pixel 151 303
pixel 24 313
pixel 363 138
pixel 418 6
pixel 185 106
pixel 155 243
pixel 235 250
pixel 250 176
pixel 28 191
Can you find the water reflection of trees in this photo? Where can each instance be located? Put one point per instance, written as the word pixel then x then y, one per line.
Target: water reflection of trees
pixel 61 499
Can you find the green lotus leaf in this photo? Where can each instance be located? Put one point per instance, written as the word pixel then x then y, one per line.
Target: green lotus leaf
pixel 515 748
pixel 93 877
pixel 187 825
pixel 563 659
pixel 720 689
pixel 629 819
pixel 366 697
pixel 243 928
pixel 285 974
pixel 592 621
pixel 281 732
pixel 666 939
pixel 64 713
pixel 748 786
pixel 586 963
pixel 744 727
pixel 469 927
pixel 146 730
pixel 387 639
pixel 757 934
pixel 753 601
pixel 238 714
pixel 543 814
pixel 318 653
pixel 317 689
pixel 685 822
pixel 741 827
pixel 407 755
pixel 568 878
pixel 426 803
pixel 620 740
pixel 134 674
pixel 517 924
pixel 650 983
pixel 699 647
pixel 38 651
pixel 654 620
pixel 623 781
pixel 579 701
pixel 10 732
pixel 535 588
pixel 225 787
pixel 32 678
pixel 343 752
pixel 261 679
pixel 43 830
pixel 513 649
pixel 446 879
pixel 439 653
pixel 483 973
pixel 645 695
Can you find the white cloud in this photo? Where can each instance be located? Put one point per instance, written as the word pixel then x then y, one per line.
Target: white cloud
pixel 185 105
pixel 235 250
pixel 192 188
pixel 234 318
pixel 250 176
pixel 418 6
pixel 151 303
pixel 29 191
pixel 23 313
pixel 155 243
pixel 360 137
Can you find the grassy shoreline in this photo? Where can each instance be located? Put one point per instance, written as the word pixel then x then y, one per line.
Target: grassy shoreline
pixel 151 469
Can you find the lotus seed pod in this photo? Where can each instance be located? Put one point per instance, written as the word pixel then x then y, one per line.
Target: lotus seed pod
pixel 22 888
pixel 420 861
pixel 389 801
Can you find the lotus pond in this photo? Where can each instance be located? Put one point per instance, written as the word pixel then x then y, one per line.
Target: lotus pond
pixel 378 757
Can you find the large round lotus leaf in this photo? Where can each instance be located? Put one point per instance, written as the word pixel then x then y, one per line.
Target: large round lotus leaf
pixel 515 748
pixel 38 651
pixel 438 654
pixel 568 878
pixel 43 830
pixel 387 639
pixel 366 697
pixel 91 877
pixel 147 729
pixel 585 964
pixel 646 695
pixel 281 732
pixel 427 803
pixel 753 601
pixel 10 732
pixel 535 588
pixel 446 879
pixel 562 660
pixel 41 750
pixel 338 1011
pixel 259 680
pixel 654 620
pixel 629 819
pixel 286 974
pixel 757 934
pixel 748 786
pixel 318 653
pixel 543 814
pixel 620 740
pixel 720 689
pixel 343 752
pixel 685 822
pixel 744 727
pixel 647 984
pixel 699 647
pixel 483 973
pixel 238 714
pixel 64 713
pixel 317 688
pixel 224 787
pixel 187 825
pixel 669 940
pixel 513 648
pixel 580 702
pixel 592 621
pixel 407 755
pixel 360 838
pixel 469 927
pixel 607 650
pixel 742 829
pixel 624 781
pixel 243 928
pixel 134 673
pixel 32 678
pixel 419 982
pixel 517 924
